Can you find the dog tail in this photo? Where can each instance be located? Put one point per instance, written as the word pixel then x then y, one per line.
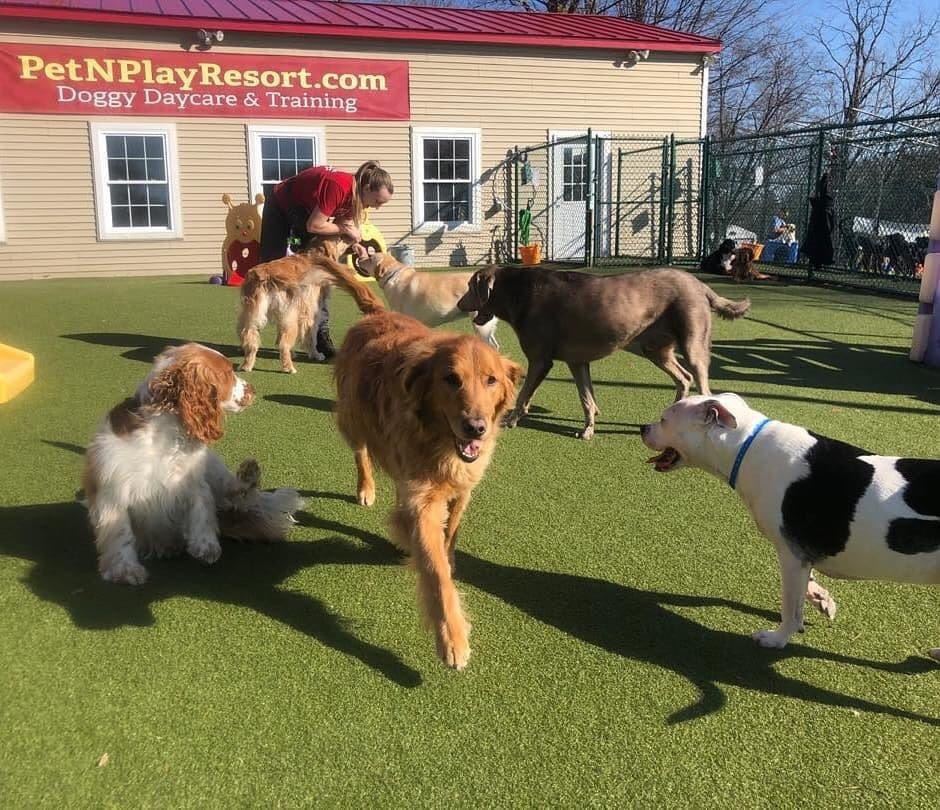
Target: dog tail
pixel 725 307
pixel 367 300
pixel 249 513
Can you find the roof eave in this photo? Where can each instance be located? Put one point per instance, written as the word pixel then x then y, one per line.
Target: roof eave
pixel 306 29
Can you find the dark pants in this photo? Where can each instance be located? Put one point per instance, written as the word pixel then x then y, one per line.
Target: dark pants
pixel 276 228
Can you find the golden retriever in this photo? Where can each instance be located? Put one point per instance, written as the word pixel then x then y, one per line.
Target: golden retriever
pixel 426 407
pixel 287 291
pixel 743 267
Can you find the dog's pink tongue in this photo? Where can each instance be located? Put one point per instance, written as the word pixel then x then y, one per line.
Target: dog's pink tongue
pixel 472 448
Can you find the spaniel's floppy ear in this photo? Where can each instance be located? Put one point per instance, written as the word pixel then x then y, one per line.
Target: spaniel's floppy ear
pixel 190 390
pixel 715 413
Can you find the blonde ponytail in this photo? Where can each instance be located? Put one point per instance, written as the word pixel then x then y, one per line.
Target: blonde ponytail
pixel 370 176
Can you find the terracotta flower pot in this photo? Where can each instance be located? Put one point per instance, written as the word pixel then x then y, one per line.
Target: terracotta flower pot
pixel 531 254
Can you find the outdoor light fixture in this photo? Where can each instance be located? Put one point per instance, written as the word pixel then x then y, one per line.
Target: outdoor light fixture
pixel 207 39
pixel 709 59
pixel 632 57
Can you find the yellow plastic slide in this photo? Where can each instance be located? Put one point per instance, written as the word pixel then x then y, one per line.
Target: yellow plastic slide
pixel 17 370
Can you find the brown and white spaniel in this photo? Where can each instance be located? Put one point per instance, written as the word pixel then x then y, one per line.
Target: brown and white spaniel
pixel 153 487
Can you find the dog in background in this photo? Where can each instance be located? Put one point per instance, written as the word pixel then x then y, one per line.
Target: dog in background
pixel 153 487
pixel 428 297
pixel 743 267
pixel 425 406
pixel 719 262
pixel 823 503
pixel 581 317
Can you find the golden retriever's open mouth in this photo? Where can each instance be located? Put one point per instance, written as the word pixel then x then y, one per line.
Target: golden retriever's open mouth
pixel 666 460
pixel 468 449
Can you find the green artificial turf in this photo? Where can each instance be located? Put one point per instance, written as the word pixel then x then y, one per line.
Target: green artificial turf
pixel 612 606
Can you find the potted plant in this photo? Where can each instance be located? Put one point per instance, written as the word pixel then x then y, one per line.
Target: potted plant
pixel 531 253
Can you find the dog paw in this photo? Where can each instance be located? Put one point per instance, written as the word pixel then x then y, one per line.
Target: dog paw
pixel 821 599
pixel 511 419
pixel 454 656
pixel 249 474
pixel 587 434
pixel 366 496
pixel 935 653
pixel 316 357
pixel 289 370
pixel 125 573
pixel 246 367
pixel 771 638
pixel 206 549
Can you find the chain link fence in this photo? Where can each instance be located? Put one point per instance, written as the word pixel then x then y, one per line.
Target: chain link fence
pixel 882 176
pixel 608 200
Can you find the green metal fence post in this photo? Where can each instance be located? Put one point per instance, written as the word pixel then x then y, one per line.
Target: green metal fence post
pixel 619 195
pixel 704 191
pixel 663 169
pixel 599 203
pixel 513 213
pixel 588 203
pixel 671 198
pixel 820 146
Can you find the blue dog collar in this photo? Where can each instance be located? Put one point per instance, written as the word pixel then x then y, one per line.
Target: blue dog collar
pixel 733 478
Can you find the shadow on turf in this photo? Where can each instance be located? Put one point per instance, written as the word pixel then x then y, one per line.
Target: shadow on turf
pixel 626 621
pixel 302 401
pixel 144 348
pixel 55 537
pixel 640 626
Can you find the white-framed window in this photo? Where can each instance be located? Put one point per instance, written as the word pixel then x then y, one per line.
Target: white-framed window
pixel 276 153
pixel 136 181
pixel 446 178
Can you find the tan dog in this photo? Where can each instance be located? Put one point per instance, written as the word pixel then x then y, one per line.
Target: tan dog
pixel 428 297
pixel 426 406
pixel 287 291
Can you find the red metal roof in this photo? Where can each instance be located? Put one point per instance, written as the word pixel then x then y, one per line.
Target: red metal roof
pixel 370 21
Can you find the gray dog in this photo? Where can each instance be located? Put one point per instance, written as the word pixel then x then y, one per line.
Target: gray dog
pixel 579 318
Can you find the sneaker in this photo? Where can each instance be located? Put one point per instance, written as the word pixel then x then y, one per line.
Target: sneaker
pixel 325 345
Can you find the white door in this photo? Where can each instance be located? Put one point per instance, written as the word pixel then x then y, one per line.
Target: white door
pixel 569 190
pixel 568 196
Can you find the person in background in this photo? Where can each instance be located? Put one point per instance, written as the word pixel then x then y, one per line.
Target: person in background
pixel 321 201
pixel 776 236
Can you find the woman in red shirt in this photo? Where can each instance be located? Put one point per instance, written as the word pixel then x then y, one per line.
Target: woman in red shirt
pixel 323 202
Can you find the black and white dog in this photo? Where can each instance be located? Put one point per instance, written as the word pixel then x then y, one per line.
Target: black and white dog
pixel 823 503
pixel 719 262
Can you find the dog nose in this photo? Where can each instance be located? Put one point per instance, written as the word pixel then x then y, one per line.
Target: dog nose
pixel 474 427
pixel 644 429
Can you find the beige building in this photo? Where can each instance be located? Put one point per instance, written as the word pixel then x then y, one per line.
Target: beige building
pixel 121 130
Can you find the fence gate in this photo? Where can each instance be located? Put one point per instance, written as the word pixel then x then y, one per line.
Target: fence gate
pixel 596 198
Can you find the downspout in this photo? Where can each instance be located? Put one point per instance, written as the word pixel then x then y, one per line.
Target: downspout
pixel 703 128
